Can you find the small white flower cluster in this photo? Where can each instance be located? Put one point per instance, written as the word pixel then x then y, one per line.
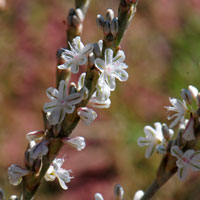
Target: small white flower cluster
pixel 110 68
pixel 158 138
pixel 39 147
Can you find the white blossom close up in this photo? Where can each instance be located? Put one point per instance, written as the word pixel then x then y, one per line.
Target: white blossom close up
pixel 188 161
pixel 180 108
pixel 55 171
pixel 61 103
pixel 76 56
pixel 154 138
pixel 111 68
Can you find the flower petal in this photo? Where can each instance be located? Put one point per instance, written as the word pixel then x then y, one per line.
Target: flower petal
pixel 120 57
pixel 121 74
pixel 108 56
pixel 52 93
pixel 87 49
pixel 74 98
pixel 100 64
pixel 150 150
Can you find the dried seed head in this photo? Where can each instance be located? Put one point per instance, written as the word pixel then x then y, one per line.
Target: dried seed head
pixel 166 132
pixel 109 15
pixel 100 21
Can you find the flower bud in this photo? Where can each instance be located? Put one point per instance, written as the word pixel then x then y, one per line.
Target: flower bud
pixel 76 142
pixel 100 21
pixel 119 191
pixel 2 196
pixel 72 88
pixel 193 90
pixel 167 133
pixel 79 14
pixel 106 27
pixel 98 196
pixel 87 115
pixel 109 15
pixel 13 197
pixel 96 50
pixel 138 195
pixel 114 27
pixel 186 95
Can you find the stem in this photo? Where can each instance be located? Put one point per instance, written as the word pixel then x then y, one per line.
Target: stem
pixel 153 188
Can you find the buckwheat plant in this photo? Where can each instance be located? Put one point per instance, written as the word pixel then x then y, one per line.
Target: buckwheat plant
pixel 70 102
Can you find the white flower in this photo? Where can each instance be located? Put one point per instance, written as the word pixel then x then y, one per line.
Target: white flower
pixel 94 102
pixel 188 133
pixel 180 108
pixel 112 68
pixel 138 195
pixel 38 150
pixel 76 56
pixel 61 103
pixel 154 138
pixel 55 171
pixel 87 115
pixel 98 196
pixel 76 142
pixel 190 160
pixel 15 173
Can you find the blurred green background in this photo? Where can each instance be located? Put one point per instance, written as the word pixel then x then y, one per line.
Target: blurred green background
pixel 162 47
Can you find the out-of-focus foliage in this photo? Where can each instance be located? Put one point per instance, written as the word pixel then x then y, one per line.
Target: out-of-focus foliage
pixel 162 47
